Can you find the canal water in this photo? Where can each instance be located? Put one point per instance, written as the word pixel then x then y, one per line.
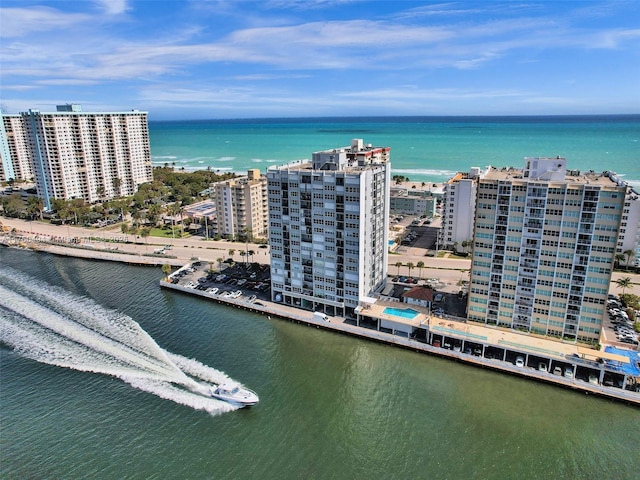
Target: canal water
pixel 331 406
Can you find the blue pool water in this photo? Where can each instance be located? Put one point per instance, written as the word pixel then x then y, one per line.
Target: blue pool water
pixel 400 312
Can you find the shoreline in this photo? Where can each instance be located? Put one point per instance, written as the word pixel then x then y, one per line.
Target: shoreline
pixel 282 312
pixel 131 253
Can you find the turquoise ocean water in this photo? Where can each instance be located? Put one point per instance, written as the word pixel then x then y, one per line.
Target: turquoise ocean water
pixel 422 148
pixel 85 393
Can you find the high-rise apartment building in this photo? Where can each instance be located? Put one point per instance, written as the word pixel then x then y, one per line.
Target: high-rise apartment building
pixel 458 208
pixel 72 154
pixel 544 248
pixel 328 222
pixel 15 154
pixel 241 206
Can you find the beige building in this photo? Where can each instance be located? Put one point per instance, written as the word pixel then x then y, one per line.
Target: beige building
pixel 241 205
pixel 544 247
pixel 73 154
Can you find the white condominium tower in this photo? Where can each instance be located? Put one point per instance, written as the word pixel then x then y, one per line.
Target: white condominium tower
pixel 241 206
pixel 15 157
pixel 328 222
pixel 544 247
pixel 73 154
pixel 458 208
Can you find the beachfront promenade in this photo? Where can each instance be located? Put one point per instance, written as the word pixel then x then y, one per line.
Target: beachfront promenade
pixel 52 239
pixel 110 244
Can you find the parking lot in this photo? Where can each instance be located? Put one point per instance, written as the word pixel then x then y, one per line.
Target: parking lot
pixel 251 280
pixel 619 326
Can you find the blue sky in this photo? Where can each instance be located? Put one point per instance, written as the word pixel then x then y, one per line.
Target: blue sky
pixel 291 58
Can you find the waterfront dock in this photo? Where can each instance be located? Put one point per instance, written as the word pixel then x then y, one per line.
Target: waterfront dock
pixel 340 325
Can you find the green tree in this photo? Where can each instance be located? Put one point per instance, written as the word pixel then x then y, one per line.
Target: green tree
pixel 251 253
pixel 13 205
pixel 398 264
pixel 35 206
pixel 619 258
pixel 117 183
pixel 420 266
pixel 410 266
pixel 624 283
pixel 232 252
pixel 629 254
pixel 219 260
pixel 144 233
pixel 100 192
pixel 166 269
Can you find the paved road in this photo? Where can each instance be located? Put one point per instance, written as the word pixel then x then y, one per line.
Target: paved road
pixel 450 271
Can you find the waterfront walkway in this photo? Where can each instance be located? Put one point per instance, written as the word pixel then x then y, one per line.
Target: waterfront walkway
pixel 340 325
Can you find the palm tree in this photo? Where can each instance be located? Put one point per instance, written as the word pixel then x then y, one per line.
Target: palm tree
pixel 231 253
pixel 251 254
pixel 117 183
pixel 624 283
pixel 219 260
pixel 410 265
pixel 144 233
pixel 172 210
pixel 166 269
pixel 420 266
pixel 619 258
pixel 629 254
pixel 398 264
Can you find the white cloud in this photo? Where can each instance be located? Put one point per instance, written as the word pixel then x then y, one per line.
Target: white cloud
pixel 113 7
pixel 19 22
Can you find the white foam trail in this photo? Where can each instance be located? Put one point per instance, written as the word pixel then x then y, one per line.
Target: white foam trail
pixel 50 325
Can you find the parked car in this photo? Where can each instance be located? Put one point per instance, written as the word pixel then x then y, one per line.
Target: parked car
pixel 568 372
pixel 543 367
pixel 519 361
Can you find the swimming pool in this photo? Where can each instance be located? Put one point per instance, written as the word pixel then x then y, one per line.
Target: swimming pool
pixel 401 312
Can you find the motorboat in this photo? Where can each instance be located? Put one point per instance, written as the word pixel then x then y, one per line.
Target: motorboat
pixel 234 393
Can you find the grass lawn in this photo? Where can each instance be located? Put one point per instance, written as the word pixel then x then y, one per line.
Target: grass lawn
pixel 166 233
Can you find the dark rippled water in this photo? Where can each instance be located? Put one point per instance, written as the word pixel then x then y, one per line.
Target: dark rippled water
pixel 331 406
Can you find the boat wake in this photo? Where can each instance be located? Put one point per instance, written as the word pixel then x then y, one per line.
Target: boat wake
pixel 51 325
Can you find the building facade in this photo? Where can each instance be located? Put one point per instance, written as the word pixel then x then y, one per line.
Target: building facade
pixel 544 248
pixel 328 222
pixel 458 208
pixel 241 206
pixel 72 154
pixel 412 202
pixel 629 235
pixel 15 157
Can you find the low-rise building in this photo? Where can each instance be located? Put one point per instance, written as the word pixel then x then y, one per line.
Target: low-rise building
pixel 417 202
